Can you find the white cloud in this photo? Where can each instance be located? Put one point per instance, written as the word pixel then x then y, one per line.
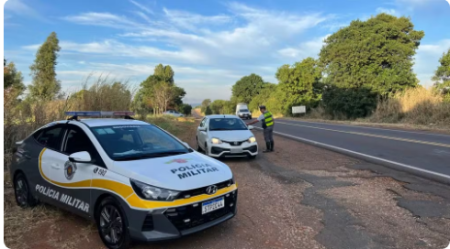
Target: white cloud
pixel 114 48
pixel 209 52
pixel 103 19
pixel 142 7
pixel 306 49
pixel 144 16
pixel 191 21
pixel 19 8
pixel 259 33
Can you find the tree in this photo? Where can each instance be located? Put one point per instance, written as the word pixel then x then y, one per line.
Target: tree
pixel 442 76
pixel 45 86
pixel 219 106
pixel 376 54
pixel 205 103
pixel 178 94
pixel 165 73
pixel 186 109
pixel 263 97
pixel 298 84
pixel 12 77
pixel 247 87
pixel 158 92
pixel 208 111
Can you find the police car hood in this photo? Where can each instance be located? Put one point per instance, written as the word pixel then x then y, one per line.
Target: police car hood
pixel 180 172
pixel 231 136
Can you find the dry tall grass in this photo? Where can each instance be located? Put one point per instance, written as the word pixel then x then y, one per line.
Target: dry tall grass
pixel 419 106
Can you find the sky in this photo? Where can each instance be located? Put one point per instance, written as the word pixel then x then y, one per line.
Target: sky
pixel 210 44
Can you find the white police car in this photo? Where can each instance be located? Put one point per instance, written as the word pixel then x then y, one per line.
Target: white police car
pixel 134 179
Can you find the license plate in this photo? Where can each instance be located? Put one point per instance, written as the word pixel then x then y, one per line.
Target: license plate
pixel 209 206
pixel 235 151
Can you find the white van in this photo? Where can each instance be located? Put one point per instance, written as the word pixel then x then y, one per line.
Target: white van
pixel 242 111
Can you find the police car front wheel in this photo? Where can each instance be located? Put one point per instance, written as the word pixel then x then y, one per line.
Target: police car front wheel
pixel 111 224
pixel 24 198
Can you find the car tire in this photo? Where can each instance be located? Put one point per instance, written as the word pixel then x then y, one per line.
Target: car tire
pixel 199 149
pixel 206 150
pixel 22 192
pixel 113 231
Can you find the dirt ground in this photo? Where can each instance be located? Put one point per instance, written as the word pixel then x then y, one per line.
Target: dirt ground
pixel 299 196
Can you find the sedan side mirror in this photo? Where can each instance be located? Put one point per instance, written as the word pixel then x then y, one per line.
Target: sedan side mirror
pixel 80 157
pixel 251 127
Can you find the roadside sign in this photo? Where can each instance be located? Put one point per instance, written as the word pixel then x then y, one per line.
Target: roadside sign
pixel 298 109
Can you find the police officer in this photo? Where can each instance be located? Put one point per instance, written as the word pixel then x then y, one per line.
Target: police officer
pixel 267 124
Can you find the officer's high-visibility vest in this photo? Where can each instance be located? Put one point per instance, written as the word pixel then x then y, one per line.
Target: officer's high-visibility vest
pixel 268 120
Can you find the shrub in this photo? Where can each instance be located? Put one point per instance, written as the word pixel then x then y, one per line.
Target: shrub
pixel 348 103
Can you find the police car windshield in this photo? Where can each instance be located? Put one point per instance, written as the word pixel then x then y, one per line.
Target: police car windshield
pixel 226 124
pixel 132 142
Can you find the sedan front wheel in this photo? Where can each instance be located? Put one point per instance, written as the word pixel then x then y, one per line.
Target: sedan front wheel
pixel 112 224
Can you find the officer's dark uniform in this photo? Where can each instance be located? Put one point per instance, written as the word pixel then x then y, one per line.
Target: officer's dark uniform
pixel 267 124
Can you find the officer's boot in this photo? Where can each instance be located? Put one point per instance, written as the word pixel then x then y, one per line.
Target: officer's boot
pixel 271 145
pixel 267 147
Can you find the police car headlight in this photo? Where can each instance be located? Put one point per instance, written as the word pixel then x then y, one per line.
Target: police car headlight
pixel 252 140
pixel 153 193
pixel 216 141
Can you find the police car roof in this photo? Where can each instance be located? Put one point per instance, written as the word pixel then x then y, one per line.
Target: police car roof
pixel 94 122
pixel 221 116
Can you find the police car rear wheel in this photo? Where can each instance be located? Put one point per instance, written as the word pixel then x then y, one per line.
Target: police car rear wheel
pixel 111 223
pixel 22 192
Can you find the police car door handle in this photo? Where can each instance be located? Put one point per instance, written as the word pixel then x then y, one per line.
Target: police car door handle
pixel 55 166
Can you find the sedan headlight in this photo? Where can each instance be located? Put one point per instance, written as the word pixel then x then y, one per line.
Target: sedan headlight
pixel 153 193
pixel 252 140
pixel 216 140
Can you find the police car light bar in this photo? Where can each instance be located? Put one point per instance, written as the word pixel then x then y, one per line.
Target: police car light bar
pixel 99 113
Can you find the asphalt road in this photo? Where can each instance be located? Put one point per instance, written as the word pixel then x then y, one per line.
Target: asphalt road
pixel 429 153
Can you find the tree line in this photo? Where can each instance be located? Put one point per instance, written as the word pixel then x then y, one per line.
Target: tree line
pixel 358 67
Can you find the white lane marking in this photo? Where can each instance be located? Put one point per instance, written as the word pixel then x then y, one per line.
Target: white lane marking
pixel 447 177
pixel 441 152
pixel 368 127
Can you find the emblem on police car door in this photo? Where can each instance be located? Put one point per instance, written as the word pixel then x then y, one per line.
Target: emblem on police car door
pixel 211 189
pixel 69 169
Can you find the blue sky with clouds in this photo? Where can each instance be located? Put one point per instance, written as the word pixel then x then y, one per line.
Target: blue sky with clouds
pixel 210 44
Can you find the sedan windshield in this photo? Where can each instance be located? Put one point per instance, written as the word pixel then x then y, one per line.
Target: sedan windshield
pixel 132 142
pixel 226 124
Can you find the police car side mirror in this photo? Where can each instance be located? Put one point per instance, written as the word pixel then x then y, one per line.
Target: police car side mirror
pixel 80 157
pixel 251 127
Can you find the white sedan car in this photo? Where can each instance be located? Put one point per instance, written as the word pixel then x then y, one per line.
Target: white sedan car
pixel 226 136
